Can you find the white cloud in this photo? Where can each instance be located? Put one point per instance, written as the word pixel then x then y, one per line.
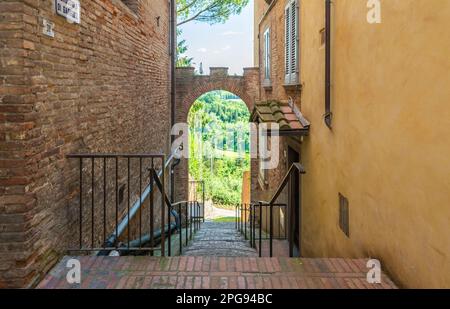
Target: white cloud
pixel 228 47
pixel 202 50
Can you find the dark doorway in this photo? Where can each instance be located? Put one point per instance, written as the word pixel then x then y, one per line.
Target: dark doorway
pixel 294 206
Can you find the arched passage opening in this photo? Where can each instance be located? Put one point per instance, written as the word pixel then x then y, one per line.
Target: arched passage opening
pixel 219 145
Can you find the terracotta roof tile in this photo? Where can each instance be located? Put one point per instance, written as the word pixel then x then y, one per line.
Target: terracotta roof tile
pixel 277 112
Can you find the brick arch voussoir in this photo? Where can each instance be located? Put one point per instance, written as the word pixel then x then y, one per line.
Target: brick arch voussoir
pixel 199 87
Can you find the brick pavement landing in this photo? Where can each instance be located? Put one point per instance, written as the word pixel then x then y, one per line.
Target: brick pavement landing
pixel 219 239
pixel 215 273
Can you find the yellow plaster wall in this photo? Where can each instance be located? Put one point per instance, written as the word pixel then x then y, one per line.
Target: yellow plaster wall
pixel 389 149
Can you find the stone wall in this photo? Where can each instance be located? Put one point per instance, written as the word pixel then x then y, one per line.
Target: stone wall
pixel 95 87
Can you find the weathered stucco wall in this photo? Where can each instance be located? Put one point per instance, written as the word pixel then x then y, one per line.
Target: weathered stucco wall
pixel 388 151
pixel 95 87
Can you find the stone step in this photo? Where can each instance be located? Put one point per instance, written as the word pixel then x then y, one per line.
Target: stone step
pixel 215 273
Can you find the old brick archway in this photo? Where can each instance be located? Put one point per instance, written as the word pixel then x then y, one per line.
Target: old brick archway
pixel 191 86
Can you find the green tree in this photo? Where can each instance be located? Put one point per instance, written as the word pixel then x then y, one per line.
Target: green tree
pixel 182 60
pixel 209 11
pixel 222 175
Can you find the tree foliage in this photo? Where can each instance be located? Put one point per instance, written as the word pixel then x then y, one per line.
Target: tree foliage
pixel 221 167
pixel 209 11
pixel 182 59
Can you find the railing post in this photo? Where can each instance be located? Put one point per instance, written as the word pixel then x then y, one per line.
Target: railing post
pixel 245 221
pixel 128 202
pixel 241 220
pixel 181 229
pixel 254 225
pixel 190 220
pixel 187 222
pixel 251 225
pixel 140 202
pixel 81 203
pixel 104 202
pixel 93 202
pixel 271 229
pixel 163 202
pixel 169 239
pixel 117 198
pixel 152 204
pixel 260 229
pixel 204 198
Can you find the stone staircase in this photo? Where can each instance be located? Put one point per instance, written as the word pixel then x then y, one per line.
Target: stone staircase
pixel 219 239
pixel 217 258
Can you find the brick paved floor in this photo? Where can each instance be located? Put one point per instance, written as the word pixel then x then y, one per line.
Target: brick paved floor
pixel 215 272
pixel 220 258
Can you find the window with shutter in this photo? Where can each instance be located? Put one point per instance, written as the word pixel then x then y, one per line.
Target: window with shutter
pixel 287 43
pixel 292 42
pixel 267 62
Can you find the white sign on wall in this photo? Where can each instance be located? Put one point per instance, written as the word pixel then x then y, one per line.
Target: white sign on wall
pixel 47 28
pixel 70 9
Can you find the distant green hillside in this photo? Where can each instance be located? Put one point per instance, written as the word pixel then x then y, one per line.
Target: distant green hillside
pixel 219 124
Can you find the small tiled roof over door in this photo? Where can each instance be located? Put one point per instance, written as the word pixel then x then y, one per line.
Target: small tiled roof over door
pixel 290 120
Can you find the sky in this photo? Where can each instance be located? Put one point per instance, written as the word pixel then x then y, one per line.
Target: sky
pixel 222 45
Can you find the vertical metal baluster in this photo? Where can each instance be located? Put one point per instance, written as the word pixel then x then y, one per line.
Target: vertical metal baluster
pixel 104 202
pixel 194 222
pixel 271 229
pixel 169 240
pixel 240 219
pixel 81 203
pixel 254 226
pixel 92 202
pixel 181 229
pixel 163 213
pixel 260 228
pixel 128 202
pixel 245 221
pixel 190 215
pixel 251 226
pixel 204 197
pixel 235 219
pixel 117 199
pixel 187 222
pixel 152 197
pixel 279 222
pixel 140 203
pixel 197 216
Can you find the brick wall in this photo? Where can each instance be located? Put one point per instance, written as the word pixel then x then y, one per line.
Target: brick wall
pixel 190 87
pixel 94 87
pixel 272 18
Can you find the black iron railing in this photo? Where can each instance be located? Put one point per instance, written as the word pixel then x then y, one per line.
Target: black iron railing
pixel 108 183
pixel 259 224
pixel 198 188
pixel 118 179
pixel 192 221
pixel 250 218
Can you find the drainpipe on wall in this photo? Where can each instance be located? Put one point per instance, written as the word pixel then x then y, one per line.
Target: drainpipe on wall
pixel 173 60
pixel 328 114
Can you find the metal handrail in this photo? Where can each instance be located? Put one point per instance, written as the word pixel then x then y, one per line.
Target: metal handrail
pixel 157 181
pixel 295 168
pixel 138 204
